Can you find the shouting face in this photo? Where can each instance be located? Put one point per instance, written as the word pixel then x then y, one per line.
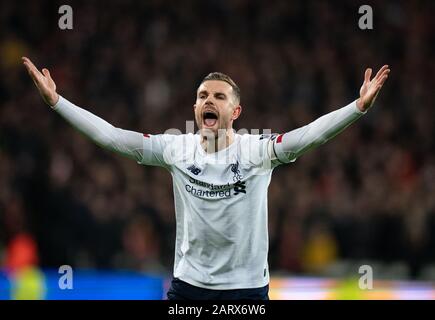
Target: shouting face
pixel 216 107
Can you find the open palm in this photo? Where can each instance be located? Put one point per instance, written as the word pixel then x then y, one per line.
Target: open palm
pixel 370 88
pixel 43 81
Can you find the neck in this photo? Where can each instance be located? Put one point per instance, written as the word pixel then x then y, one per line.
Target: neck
pixel 212 143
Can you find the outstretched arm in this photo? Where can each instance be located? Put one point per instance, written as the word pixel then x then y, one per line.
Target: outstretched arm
pixel 289 146
pixel 127 143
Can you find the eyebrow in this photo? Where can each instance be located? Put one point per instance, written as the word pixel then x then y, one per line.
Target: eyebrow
pixel 216 94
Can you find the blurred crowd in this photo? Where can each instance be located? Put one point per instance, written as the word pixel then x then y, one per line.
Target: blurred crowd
pixel 367 194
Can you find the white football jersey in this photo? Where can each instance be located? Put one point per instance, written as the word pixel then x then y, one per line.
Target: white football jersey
pixel 221 208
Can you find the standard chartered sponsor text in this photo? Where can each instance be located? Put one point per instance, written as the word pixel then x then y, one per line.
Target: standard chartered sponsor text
pixel 215 191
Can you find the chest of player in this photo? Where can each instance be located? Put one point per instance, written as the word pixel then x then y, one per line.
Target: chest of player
pixel 213 181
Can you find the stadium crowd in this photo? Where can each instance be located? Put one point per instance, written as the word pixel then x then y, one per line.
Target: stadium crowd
pixel 367 194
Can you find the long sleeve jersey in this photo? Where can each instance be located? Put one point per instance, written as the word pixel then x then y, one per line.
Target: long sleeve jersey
pixel 220 198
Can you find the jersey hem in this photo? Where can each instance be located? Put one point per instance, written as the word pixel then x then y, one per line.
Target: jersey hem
pixel 224 287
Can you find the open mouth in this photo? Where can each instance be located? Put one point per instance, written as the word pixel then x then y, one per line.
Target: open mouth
pixel 210 118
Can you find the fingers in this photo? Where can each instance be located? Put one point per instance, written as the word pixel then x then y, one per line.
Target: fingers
pixel 31 69
pixel 29 64
pixel 367 75
pixel 383 76
pixel 380 77
pixel 48 76
pixel 46 73
pixel 382 71
pixel 381 82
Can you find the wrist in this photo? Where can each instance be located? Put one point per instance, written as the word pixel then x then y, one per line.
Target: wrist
pixel 53 100
pixel 360 105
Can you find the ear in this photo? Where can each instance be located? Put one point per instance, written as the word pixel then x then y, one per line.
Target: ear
pixel 236 112
pixel 194 107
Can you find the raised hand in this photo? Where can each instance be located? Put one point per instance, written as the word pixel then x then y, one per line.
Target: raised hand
pixel 43 81
pixel 370 88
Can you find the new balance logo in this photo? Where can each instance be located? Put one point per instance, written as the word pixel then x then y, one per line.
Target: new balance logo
pixel 239 187
pixel 194 169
